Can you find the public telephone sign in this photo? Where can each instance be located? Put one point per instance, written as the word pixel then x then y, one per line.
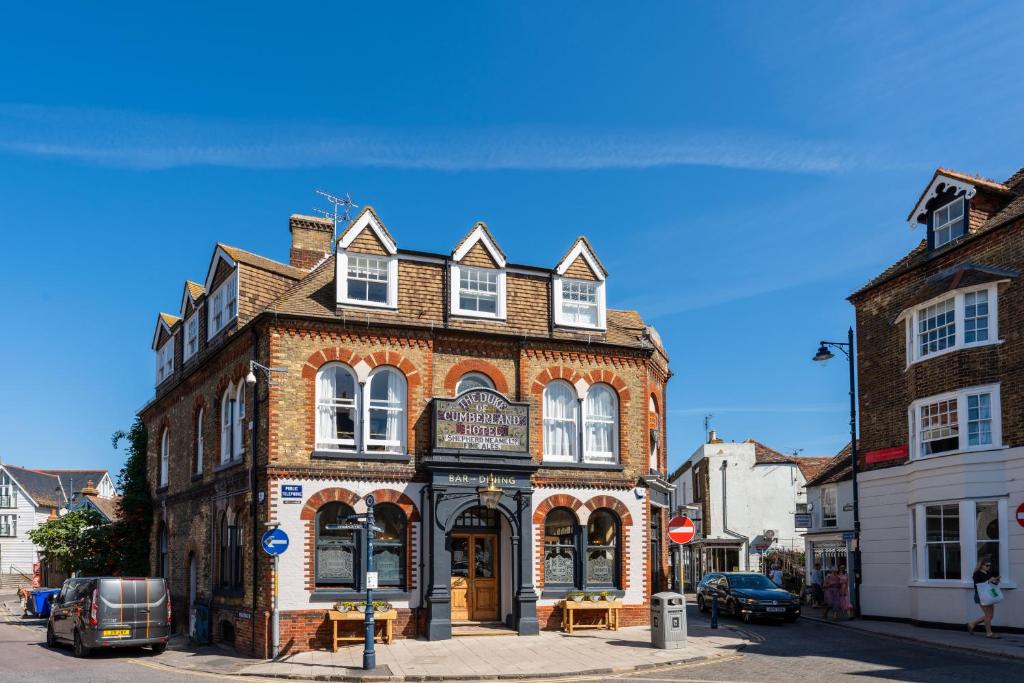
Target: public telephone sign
pixel 681 530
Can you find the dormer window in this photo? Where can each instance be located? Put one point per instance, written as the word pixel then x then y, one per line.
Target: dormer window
pixel 579 303
pixel 478 276
pixel 948 222
pixel 223 305
pixel 165 360
pixel 191 336
pixel 367 279
pixel 579 289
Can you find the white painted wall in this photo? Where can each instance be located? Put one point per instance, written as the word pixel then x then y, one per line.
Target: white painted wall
pixel 17 552
pixel 888 587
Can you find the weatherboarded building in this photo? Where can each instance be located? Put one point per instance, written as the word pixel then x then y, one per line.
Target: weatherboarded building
pixel 416 380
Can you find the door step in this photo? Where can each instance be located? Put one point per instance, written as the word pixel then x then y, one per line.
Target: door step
pixel 482 628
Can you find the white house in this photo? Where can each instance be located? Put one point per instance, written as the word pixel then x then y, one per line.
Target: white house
pixel 828 540
pixel 744 498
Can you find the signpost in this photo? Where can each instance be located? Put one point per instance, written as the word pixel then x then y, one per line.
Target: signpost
pixel 275 542
pixel 681 530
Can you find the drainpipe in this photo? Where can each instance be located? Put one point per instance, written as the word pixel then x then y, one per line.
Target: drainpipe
pixel 254 506
pixel 725 514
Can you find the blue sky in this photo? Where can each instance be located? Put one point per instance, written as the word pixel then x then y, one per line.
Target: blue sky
pixel 740 170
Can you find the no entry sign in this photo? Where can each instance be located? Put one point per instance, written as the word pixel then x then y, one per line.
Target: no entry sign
pixel 1020 514
pixel 681 529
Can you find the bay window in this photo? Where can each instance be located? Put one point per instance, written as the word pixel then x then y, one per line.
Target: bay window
pixel 942 541
pixel 964 420
pixel 962 319
pixel 949 538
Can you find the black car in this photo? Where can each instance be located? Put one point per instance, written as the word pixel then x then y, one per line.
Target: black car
pixel 747 595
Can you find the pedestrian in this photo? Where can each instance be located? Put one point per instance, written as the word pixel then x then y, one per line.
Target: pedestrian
pixel 830 585
pixel 843 604
pixel 776 575
pixel 983 574
pixel 817 577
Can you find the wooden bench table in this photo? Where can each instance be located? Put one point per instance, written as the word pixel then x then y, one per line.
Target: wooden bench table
pixel 608 608
pixel 357 617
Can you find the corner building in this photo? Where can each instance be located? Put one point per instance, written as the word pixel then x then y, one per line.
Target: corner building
pixel 419 378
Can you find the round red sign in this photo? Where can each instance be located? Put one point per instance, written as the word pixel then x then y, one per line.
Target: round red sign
pixel 681 529
pixel 1020 514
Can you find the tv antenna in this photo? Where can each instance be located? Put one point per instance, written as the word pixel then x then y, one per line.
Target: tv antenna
pixel 707 426
pixel 345 204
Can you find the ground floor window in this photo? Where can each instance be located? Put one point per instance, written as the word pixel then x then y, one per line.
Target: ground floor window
pixel 947 539
pixel 230 553
pixel 340 547
pixel 722 559
pixel 581 557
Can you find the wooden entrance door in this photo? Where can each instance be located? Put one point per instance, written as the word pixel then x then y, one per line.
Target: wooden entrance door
pixel 474 577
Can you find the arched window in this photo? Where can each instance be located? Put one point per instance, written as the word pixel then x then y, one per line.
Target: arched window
pixel 335 546
pixel 560 560
pixel 165 456
pixel 473 380
pixel 561 413
pixel 227 424
pixel 389 545
pixel 602 549
pixel 655 431
pixel 601 433
pixel 163 551
pixel 239 429
pixel 198 469
pixel 385 411
pixel 337 408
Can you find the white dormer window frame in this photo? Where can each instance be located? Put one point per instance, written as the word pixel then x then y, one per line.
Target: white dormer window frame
pixel 165 360
pixel 949 222
pixel 473 282
pixel 367 220
pixel 568 295
pixel 223 308
pixel 970 322
pixel 390 267
pixel 191 335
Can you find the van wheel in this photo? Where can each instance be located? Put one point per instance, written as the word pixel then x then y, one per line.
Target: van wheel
pixel 158 648
pixel 701 606
pixel 51 638
pixel 80 649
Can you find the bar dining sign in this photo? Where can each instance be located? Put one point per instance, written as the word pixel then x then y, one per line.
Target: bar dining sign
pixel 481 420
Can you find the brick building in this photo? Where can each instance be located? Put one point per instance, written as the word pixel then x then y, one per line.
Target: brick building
pixel 941 380
pixel 419 378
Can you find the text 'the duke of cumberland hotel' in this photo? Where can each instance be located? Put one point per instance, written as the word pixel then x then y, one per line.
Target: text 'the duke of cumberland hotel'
pixel 418 378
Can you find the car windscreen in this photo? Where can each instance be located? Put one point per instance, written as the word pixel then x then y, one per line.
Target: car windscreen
pixel 752 581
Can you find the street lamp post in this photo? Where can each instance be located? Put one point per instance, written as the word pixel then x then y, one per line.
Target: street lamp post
pixel 825 354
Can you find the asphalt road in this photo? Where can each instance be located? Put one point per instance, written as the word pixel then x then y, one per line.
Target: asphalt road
pixel 802 651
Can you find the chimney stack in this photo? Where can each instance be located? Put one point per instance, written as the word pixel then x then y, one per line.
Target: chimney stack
pixel 713 437
pixel 90 489
pixel 311 240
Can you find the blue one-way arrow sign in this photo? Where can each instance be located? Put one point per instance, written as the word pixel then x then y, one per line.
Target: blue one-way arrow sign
pixel 274 541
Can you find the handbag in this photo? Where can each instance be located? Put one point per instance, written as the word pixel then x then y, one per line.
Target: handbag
pixel 988 593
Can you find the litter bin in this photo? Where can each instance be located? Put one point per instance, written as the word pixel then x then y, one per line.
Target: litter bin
pixel 668 620
pixel 39 602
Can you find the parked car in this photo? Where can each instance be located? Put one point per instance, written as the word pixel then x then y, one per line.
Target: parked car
pixel 96 612
pixel 747 595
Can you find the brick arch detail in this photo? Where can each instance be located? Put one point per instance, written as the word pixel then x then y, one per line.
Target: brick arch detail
pixel 553 372
pixel 558 500
pixel 318 359
pixel 403 501
pixel 613 380
pixel 318 500
pixel 475 365
pixel 613 504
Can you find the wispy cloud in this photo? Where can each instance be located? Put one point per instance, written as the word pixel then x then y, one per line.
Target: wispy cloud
pixel 766 408
pixel 142 141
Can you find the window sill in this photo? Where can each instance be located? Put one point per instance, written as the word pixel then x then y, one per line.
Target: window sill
pixel 940 583
pixel 585 328
pixel 960 451
pixel 351 595
pixel 355 303
pixel 953 349
pixel 599 466
pixel 560 593
pixel 472 316
pixel 228 465
pixel 402 458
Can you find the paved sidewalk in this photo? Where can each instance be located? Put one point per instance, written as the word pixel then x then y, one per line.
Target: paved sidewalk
pixel 1007 645
pixel 549 655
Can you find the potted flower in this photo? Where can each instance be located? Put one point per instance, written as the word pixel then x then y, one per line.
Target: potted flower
pixel 381 605
pixel 594 597
pixel 342 606
pixel 605 595
pixel 576 596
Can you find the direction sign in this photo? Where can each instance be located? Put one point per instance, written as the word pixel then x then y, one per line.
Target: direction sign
pixel 681 529
pixel 274 541
pixel 1020 514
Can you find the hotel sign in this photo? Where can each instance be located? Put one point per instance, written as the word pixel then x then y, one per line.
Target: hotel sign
pixel 481 420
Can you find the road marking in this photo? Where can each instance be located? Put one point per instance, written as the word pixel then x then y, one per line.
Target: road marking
pixel 189 672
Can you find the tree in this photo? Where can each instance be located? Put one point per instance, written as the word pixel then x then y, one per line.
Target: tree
pixel 76 542
pixel 132 528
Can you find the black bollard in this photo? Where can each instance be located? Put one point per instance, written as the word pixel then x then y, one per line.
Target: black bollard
pixel 714 611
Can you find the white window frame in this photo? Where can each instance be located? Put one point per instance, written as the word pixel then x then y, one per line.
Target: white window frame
pixel 332 404
pixel 968 542
pixel 165 361
pixel 456 291
pixel 912 317
pixel 199 442
pixel 385 445
pixel 223 301
pixel 563 320
pixel 575 420
pixel 165 457
pixel 962 218
pixel 191 335
pixel 227 425
pixel 238 449
pixel 8 492
pixel 341 277
pixel 960 395
pixel 833 490
pixel 601 456
pixel 10 528
pixel 478 376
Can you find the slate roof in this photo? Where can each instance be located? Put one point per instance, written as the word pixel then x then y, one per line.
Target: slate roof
pixel 838 468
pixel 44 488
pixel 919 254
pixel 77 477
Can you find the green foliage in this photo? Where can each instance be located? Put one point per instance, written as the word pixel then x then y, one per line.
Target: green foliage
pixel 76 542
pixel 130 533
